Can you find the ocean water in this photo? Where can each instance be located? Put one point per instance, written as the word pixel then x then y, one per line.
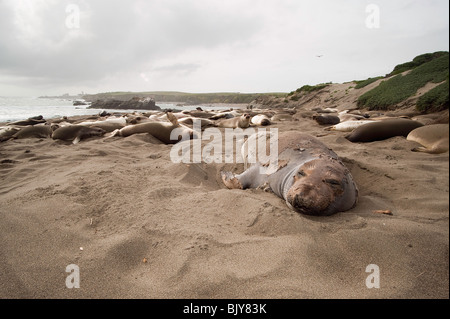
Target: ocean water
pixel 20 108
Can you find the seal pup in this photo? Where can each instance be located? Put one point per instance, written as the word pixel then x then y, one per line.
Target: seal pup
pixel 433 138
pixel 326 119
pixel 381 130
pixel 260 119
pixel 76 133
pixel 309 176
pixel 242 121
pixel 161 130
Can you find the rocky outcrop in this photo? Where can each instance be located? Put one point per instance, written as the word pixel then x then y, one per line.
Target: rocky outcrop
pixel 136 103
pixel 79 102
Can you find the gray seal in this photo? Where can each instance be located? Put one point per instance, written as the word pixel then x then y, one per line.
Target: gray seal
pixel 310 176
pixel 324 119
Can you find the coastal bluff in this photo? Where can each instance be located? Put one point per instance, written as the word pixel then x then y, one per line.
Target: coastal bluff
pixel 135 103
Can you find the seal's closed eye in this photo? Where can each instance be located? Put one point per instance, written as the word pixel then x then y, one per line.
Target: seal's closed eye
pixel 332 181
pixel 301 173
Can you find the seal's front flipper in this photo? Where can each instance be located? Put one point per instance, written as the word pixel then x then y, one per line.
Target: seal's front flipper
pixel 114 133
pixel 251 178
pixel 76 140
pixel 231 181
pixel 420 149
pixel 172 119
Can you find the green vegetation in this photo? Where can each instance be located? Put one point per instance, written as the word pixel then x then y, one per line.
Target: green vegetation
pixel 309 88
pixel 363 83
pixel 435 100
pixel 181 97
pixel 417 61
pixel 399 88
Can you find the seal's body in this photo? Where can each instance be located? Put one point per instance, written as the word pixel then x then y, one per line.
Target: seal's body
pixel 381 130
pixel 309 176
pixel 324 119
pixel 30 121
pixel 36 131
pixel 261 119
pixel 242 121
pixel 433 138
pixel 161 130
pixel 76 133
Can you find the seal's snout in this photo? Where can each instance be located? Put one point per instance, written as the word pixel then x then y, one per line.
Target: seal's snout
pixel 309 200
pixel 302 205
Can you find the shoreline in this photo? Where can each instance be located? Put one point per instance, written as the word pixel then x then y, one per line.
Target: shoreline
pixel 94 111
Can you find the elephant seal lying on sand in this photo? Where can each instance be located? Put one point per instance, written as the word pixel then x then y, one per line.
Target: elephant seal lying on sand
pixel 161 130
pixel 309 176
pixel 76 133
pixel 242 121
pixel 433 138
pixel 381 130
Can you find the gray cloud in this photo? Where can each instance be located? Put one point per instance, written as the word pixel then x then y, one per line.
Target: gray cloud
pixel 113 36
pixel 209 43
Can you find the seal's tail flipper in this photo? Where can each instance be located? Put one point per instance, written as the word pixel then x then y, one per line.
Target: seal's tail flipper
pixel 230 180
pixel 172 118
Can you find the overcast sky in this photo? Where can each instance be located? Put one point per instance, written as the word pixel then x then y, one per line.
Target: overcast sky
pixel 51 47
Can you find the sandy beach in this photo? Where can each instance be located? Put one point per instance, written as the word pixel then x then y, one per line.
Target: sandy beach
pixel 140 226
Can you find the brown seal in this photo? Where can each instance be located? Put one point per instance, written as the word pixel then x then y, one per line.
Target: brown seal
pixel 30 121
pixel 76 133
pixel 381 130
pixel 433 138
pixel 6 133
pixel 309 176
pixel 204 123
pixel 242 121
pixel 36 131
pixel 161 130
